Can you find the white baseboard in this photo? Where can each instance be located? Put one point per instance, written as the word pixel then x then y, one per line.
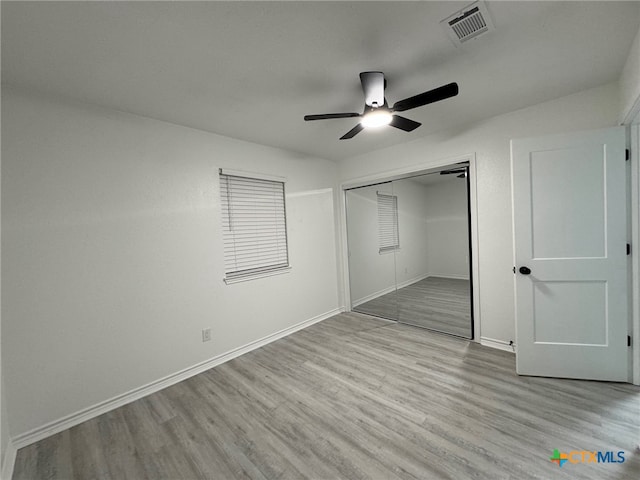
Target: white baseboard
pixel 453 277
pixel 499 344
pixel 413 280
pixel 377 294
pixel 8 461
pixel 406 283
pixel 390 289
pixel 83 415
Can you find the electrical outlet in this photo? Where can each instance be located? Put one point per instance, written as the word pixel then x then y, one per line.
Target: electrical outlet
pixel 206 334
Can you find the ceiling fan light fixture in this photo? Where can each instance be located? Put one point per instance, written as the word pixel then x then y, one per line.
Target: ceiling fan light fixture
pixel 377 113
pixel 376 118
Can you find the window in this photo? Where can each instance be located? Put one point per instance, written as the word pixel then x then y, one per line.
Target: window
pixel 388 238
pixel 254 226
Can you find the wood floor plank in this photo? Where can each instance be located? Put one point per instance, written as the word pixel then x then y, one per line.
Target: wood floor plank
pixel 119 448
pixel 354 397
pixel 436 303
pixel 88 457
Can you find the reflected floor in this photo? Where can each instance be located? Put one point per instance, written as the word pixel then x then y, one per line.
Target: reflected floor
pixel 441 304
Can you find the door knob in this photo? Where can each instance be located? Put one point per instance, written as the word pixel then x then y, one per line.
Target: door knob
pixel 524 270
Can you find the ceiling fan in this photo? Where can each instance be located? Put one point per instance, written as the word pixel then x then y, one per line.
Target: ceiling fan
pixel 376 110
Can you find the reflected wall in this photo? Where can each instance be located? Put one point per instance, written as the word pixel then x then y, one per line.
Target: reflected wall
pixel 372 274
pixel 425 279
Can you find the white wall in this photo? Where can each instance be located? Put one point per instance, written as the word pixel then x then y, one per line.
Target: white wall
pixel 630 84
pixel 372 273
pixel 448 228
pixel 112 254
pixel 489 140
pixel 112 257
pixel 411 259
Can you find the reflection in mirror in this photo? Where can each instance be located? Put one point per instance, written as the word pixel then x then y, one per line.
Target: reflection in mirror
pixel 433 288
pixel 409 255
pixel 371 235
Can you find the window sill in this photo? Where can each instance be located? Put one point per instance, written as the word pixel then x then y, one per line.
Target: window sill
pixel 388 250
pixel 254 276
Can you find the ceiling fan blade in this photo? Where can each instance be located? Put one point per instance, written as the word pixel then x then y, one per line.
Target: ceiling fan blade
pixel 404 123
pixel 353 132
pixel 373 88
pixel 435 95
pixel 326 116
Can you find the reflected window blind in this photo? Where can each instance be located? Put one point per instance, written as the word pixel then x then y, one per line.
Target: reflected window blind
pixel 253 225
pixel 388 238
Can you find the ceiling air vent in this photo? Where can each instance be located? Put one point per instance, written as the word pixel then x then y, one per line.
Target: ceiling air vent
pixel 468 23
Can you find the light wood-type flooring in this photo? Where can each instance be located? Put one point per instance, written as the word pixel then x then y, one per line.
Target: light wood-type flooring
pixel 354 397
pixel 441 304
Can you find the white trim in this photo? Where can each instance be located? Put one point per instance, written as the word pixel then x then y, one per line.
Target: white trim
pixel 475 250
pixel 634 139
pixel 400 173
pixel 497 344
pixel 381 319
pixel 88 413
pixel 8 461
pixel 320 191
pixel 390 289
pixel 258 176
pixel 406 283
pixel 452 277
pixel 413 280
pixel 377 294
pixel 344 248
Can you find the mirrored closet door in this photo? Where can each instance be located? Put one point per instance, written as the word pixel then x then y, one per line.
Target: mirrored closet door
pixel 372 232
pixel 409 250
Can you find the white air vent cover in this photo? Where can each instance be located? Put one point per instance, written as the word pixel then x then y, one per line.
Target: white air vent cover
pixel 468 23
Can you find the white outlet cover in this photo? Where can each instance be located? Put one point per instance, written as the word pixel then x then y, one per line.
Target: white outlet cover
pixel 206 334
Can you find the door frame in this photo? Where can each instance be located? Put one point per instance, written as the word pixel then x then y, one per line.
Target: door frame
pixel 631 119
pixel 634 130
pixel 397 174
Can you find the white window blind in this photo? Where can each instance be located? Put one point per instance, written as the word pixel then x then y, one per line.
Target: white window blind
pixel 388 238
pixel 254 226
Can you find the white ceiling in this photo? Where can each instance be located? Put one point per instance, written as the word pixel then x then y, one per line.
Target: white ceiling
pixel 253 70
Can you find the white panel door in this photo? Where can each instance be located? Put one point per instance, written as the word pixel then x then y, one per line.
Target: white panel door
pixel 570 231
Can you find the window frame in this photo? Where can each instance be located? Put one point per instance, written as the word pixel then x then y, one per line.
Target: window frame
pixel 394 222
pixel 230 243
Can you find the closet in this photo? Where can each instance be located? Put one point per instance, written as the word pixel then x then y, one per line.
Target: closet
pixel 409 250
